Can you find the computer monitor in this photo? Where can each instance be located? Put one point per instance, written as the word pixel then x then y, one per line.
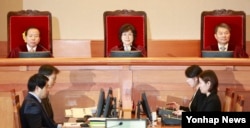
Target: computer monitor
pixel 40 54
pixel 145 106
pixel 101 102
pixel 217 54
pixel 108 107
pixel 126 54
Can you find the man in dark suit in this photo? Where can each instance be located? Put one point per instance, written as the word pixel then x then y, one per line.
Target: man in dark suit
pixel 32 113
pixel 222 35
pixel 51 73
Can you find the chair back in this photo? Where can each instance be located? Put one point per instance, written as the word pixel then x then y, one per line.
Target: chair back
pixel 113 20
pixel 235 19
pixel 239 105
pixel 228 100
pixel 20 21
pixel 16 108
pixel 9 107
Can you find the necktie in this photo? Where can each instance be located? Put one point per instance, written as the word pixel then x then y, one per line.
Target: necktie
pixel 32 50
pixel 222 48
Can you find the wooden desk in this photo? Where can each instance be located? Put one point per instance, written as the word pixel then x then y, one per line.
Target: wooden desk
pixel 162 78
pixel 158 125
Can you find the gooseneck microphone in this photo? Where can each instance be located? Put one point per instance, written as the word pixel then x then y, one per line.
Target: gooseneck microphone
pixel 45 49
pixel 116 125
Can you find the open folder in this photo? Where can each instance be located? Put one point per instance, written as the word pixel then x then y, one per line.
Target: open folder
pixel 79 112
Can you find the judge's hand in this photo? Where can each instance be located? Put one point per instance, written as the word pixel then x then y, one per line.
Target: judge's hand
pixel 173 105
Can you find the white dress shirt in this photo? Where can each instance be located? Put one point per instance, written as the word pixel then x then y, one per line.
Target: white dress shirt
pixel 29 48
pixel 225 46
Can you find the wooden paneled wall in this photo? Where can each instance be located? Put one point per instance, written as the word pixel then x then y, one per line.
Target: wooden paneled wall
pixel 95 48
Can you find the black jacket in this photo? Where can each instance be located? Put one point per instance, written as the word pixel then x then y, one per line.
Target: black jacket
pixel 33 115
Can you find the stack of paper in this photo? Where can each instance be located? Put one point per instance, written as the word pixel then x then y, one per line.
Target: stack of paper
pixel 72 125
pixel 79 112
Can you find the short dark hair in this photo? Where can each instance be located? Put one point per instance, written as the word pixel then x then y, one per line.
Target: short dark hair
pixel 37 80
pixel 193 71
pixel 48 70
pixel 209 75
pixel 125 28
pixel 222 25
pixel 26 31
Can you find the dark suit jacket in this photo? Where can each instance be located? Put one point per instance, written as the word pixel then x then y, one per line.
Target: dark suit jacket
pixel 210 104
pixel 33 114
pixel 195 102
pixel 239 52
pixel 47 106
pixel 23 48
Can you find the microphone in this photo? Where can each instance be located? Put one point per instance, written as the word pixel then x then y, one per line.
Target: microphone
pixel 45 49
pixel 116 125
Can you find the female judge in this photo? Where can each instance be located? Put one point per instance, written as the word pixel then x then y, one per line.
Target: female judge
pixel 127 36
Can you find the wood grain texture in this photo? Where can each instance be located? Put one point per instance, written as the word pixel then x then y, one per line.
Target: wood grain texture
pixel 95 48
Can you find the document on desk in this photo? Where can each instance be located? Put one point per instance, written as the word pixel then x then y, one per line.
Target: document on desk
pixel 78 112
pixel 72 124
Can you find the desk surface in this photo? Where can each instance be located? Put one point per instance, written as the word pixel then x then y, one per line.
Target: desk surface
pixel 159 125
pixel 157 61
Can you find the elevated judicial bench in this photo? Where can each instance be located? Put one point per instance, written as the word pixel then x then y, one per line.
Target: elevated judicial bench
pixel 162 79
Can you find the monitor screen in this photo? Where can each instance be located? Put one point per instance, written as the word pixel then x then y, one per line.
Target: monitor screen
pixel 101 102
pixel 145 106
pixel 42 54
pixel 126 54
pixel 108 106
pixel 217 54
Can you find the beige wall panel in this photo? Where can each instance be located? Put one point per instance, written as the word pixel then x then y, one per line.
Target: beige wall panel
pixel 71 48
pixel 83 19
